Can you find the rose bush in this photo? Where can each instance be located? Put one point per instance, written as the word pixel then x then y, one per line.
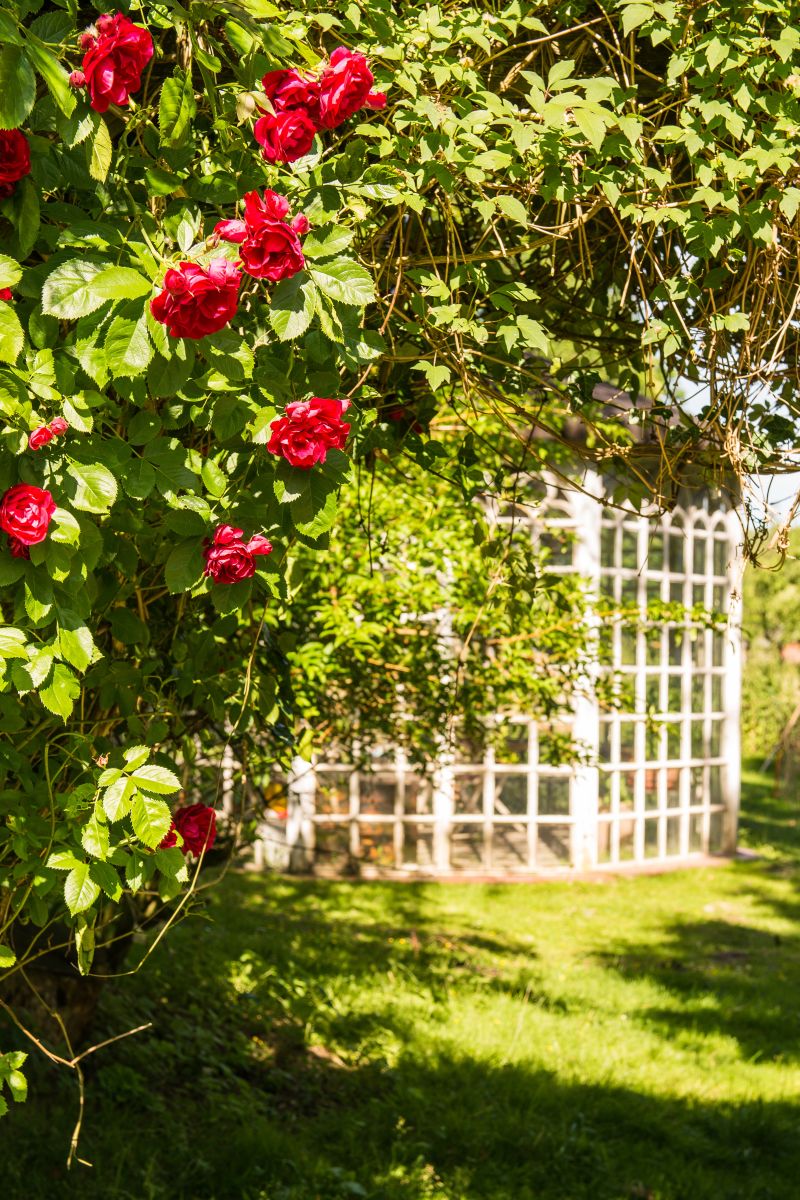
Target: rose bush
pixel 526 211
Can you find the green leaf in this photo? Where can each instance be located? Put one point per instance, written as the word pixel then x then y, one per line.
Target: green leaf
pixel 139 479
pixel 75 641
pixel 12 337
pixel 7 957
pixel 152 778
pixel 634 15
pixel 17 87
pixel 292 306
pixel 95 837
pixel 64 528
pixel 323 243
pixel 344 280
pixel 514 208
pixel 121 283
pixel 176 108
pixel 61 693
pixel 184 565
pixel 62 860
pixel 26 201
pixel 12 643
pixel 99 152
pixel 68 292
pixel 80 892
pixel 105 875
pixel 128 346
pixel 54 75
pixel 18 1086
pixel 151 819
pixel 94 487
pixel 117 799
pixel 10 271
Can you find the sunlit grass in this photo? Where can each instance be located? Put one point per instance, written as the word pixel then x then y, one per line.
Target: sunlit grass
pixel 632 1038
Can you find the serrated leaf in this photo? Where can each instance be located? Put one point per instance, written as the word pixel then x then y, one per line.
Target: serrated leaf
pixel 10 271
pixel 75 642
pixel 99 153
pixel 62 860
pixel 27 216
pixel 292 306
pixel 94 487
pixel 184 566
pixel 12 643
pixel 135 756
pixel 17 87
pixel 176 107
pixel 345 281
pixel 128 347
pixel 7 957
pixel 95 837
pixel 152 778
pixel 54 75
pixel 151 819
pixel 80 891
pixel 117 799
pixel 68 292
pixel 12 337
pixel 121 283
pixel 106 877
pixel 61 693
pixel 323 243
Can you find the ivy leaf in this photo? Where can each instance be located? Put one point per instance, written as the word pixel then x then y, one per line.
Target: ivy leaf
pixel 12 337
pixel 80 892
pixel 68 292
pixel 17 87
pixel 61 693
pixel 94 487
pixel 292 306
pixel 344 280
pixel 151 819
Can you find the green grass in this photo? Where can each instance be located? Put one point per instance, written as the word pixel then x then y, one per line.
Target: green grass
pixel 318 1041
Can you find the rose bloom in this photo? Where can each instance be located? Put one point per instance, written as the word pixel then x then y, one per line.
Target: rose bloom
pixel 308 430
pixel 40 437
pixel 25 513
pixel 346 86
pixel 6 294
pixel 229 559
pixel 58 426
pixel 114 60
pixel 197 825
pixel 15 160
pixel 17 549
pixel 271 249
pixel 196 301
pixel 286 136
pixel 290 90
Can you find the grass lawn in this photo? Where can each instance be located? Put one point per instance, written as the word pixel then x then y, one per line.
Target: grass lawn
pixel 632 1039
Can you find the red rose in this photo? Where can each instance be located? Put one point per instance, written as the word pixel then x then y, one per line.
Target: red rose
pixel 345 87
pixel 40 437
pixel 229 559
pixel 77 79
pixel 290 91
pixel 271 249
pixel 17 549
pixel 230 231
pixel 308 429
pixel 286 136
pixel 25 513
pixel 197 301
pixel 114 60
pixel 58 426
pixel 6 294
pixel 300 224
pixel 15 159
pixel 197 825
